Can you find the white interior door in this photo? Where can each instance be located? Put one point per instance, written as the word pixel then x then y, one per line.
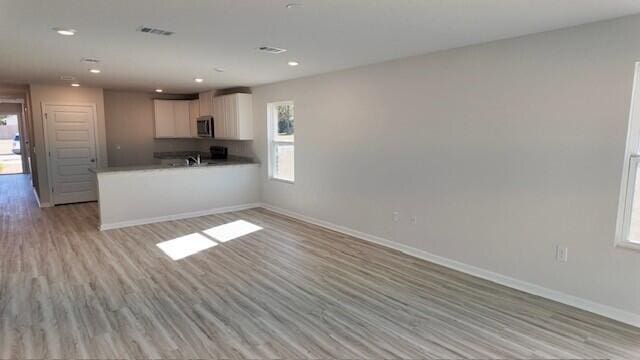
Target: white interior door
pixel 71 147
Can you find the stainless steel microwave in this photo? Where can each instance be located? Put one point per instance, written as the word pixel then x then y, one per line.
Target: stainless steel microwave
pixel 205 126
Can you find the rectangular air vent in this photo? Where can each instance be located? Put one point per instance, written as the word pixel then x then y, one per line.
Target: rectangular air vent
pixel 67 78
pixel 271 50
pixel 90 60
pixel 150 30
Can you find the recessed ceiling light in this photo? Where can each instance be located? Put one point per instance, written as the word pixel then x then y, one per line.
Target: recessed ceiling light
pixel 292 5
pixel 158 90
pixel 65 32
pixel 218 69
pixel 95 71
pixel 293 63
pixel 198 80
pixel 75 84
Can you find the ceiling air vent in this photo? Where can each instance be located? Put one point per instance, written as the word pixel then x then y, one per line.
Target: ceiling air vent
pixel 150 30
pixel 271 50
pixel 90 60
pixel 67 78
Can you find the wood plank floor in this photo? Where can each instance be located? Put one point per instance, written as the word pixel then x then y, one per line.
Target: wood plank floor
pixel 290 290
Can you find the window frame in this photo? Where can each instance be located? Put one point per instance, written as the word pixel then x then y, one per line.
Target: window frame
pixel 272 143
pixel 630 170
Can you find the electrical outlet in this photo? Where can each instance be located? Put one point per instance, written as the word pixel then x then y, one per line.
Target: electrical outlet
pixel 562 253
pixel 396 216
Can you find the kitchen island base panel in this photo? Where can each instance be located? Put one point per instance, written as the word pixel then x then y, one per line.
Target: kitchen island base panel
pixel 128 198
pixel 189 215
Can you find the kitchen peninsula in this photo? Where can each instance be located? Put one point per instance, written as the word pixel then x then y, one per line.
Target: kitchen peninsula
pixel 135 195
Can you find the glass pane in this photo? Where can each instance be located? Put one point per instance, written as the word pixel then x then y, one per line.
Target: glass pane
pixel 283 167
pixel 284 127
pixel 634 221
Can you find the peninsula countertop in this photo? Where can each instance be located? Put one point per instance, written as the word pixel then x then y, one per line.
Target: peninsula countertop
pixel 231 161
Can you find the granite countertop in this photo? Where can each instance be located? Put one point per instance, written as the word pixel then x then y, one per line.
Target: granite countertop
pixel 206 162
pixel 180 154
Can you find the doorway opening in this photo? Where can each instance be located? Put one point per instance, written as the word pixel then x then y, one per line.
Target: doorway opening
pixel 11 151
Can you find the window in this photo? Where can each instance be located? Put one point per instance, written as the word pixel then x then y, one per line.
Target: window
pixel 628 226
pixel 281 141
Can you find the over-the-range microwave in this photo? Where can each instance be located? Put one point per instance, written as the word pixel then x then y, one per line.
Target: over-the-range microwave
pixel 205 126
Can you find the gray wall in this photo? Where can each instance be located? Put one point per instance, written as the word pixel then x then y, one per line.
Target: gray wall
pixel 501 150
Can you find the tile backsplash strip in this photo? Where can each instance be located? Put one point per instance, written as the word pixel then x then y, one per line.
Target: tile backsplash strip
pixel 237 148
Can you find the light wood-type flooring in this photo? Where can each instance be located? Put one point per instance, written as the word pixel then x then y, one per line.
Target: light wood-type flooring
pixel 290 290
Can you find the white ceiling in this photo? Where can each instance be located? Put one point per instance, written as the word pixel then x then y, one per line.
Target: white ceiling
pixel 323 35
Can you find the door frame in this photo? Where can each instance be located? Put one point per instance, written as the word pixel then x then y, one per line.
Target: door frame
pixel 45 123
pixel 22 130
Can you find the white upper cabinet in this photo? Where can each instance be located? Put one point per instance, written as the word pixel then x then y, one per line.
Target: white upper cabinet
pixel 233 117
pixel 172 118
pixel 164 120
pixel 181 114
pixel 194 112
pixel 206 103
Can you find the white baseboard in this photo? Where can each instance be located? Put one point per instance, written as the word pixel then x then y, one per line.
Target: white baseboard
pixel 600 309
pixel 40 204
pixel 221 210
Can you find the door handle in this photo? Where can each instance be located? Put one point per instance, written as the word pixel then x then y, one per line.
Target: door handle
pixel 92 160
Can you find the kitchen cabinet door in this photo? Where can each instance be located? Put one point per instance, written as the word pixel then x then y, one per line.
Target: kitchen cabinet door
pixel 218 117
pixel 181 117
pixel 244 117
pixel 231 123
pixel 164 118
pixel 194 112
pixel 233 117
pixel 206 103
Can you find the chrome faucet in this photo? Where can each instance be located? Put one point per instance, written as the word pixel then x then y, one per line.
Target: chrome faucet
pixel 195 159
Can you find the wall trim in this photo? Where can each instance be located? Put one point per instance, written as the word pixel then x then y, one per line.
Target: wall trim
pixel 40 204
pixel 180 216
pixel 593 307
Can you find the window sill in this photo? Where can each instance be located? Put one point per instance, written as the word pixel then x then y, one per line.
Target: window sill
pixel 628 245
pixel 282 180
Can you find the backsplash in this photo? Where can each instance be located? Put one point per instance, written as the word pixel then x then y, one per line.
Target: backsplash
pixel 237 148
pixel 169 145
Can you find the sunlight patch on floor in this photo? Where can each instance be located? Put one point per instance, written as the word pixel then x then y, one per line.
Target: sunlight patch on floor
pixel 232 230
pixel 184 246
pixel 187 245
